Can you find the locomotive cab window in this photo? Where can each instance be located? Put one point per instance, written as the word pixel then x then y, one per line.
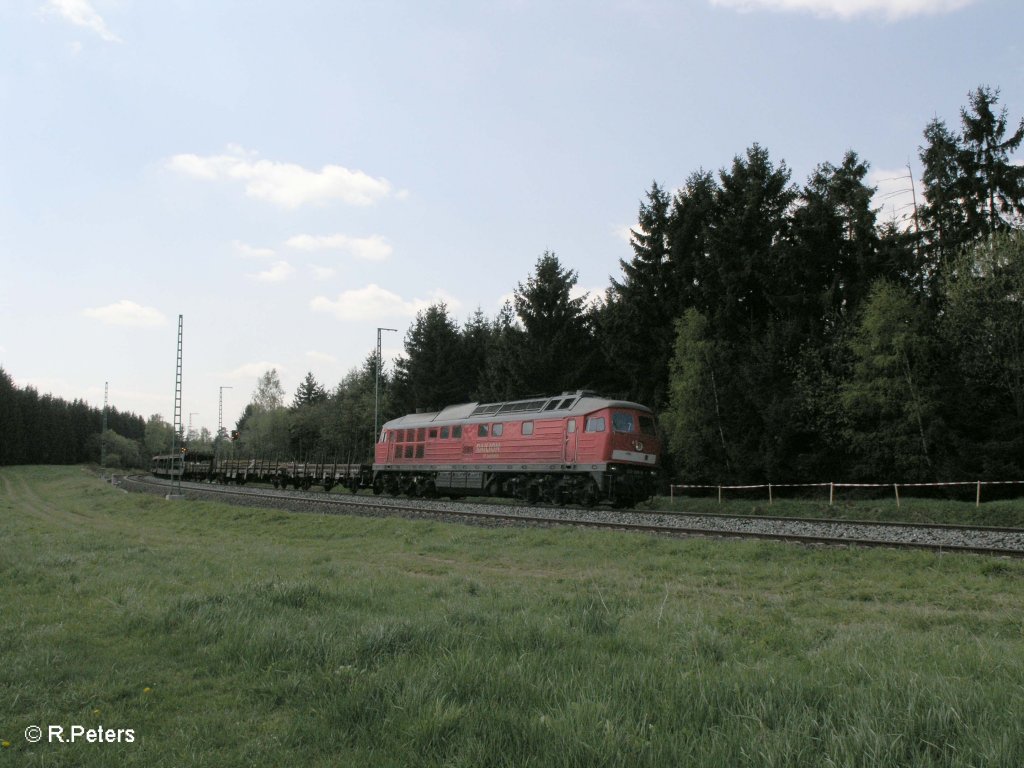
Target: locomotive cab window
pixel 623 422
pixel 595 424
pixel 570 426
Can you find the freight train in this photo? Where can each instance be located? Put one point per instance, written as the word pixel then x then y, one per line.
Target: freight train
pixel 575 447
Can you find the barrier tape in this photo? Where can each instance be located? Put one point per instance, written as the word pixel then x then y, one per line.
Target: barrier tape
pixel 848 485
pixel 832 487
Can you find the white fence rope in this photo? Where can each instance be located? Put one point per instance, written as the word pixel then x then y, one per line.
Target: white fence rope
pixel 833 486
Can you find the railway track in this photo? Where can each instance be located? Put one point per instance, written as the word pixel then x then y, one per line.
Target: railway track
pixel 1003 542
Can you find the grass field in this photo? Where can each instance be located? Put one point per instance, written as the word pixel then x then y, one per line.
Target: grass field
pixel 225 636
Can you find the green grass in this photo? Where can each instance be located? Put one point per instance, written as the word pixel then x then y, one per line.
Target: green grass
pixel 1001 513
pixel 278 639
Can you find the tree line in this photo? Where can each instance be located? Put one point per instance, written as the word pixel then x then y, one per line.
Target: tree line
pixel 783 331
pixel 43 429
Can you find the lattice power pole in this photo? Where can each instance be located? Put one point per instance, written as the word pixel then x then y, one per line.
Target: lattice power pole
pixel 220 423
pixel 376 387
pixel 103 434
pixel 176 457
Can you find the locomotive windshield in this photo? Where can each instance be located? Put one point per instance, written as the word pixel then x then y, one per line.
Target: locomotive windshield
pixel 622 422
pixel 626 422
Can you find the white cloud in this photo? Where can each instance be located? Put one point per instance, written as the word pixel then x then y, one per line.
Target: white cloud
pixel 372 248
pixel 374 302
pixel 252 252
pixel 592 297
pixel 625 233
pixel 278 272
pixel 894 197
pixel 322 273
pixel 891 10
pixel 81 14
pixel 128 313
pixel 285 184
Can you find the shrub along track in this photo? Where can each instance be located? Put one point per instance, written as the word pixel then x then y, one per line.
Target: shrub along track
pixel 1005 542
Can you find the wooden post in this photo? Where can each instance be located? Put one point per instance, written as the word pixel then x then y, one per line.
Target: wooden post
pixel 831 493
pixel 769 494
pixel 897 489
pixel 719 494
pixel 977 500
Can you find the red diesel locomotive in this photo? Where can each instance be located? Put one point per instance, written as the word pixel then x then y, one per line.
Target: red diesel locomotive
pixel 571 448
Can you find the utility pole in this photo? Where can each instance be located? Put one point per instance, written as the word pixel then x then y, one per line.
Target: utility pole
pixel 177 459
pixel 376 386
pixel 913 196
pixel 220 411
pixel 103 433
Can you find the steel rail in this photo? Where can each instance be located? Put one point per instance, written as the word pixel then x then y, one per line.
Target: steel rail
pixel 389 505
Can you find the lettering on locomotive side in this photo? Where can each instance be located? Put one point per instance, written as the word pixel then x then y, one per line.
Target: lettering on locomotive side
pixel 486 448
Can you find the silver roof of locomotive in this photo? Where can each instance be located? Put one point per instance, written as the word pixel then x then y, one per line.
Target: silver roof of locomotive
pixel 565 404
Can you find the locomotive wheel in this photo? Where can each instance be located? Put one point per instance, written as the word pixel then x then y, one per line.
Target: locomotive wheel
pixel 589 496
pixel 532 493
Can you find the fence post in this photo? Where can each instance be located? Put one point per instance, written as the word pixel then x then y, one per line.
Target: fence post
pixel 897 489
pixel 769 494
pixel 831 493
pixel 977 500
pixel 719 494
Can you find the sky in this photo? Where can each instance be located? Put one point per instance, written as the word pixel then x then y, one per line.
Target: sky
pixel 290 176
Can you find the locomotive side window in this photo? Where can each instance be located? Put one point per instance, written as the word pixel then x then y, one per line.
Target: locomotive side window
pixel 595 424
pixel 497 430
pixel 570 426
pixel 444 433
pixel 421 435
pixel 622 422
pixel 433 433
pixel 527 427
pixel 408 451
pixel 481 430
pixel 457 431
